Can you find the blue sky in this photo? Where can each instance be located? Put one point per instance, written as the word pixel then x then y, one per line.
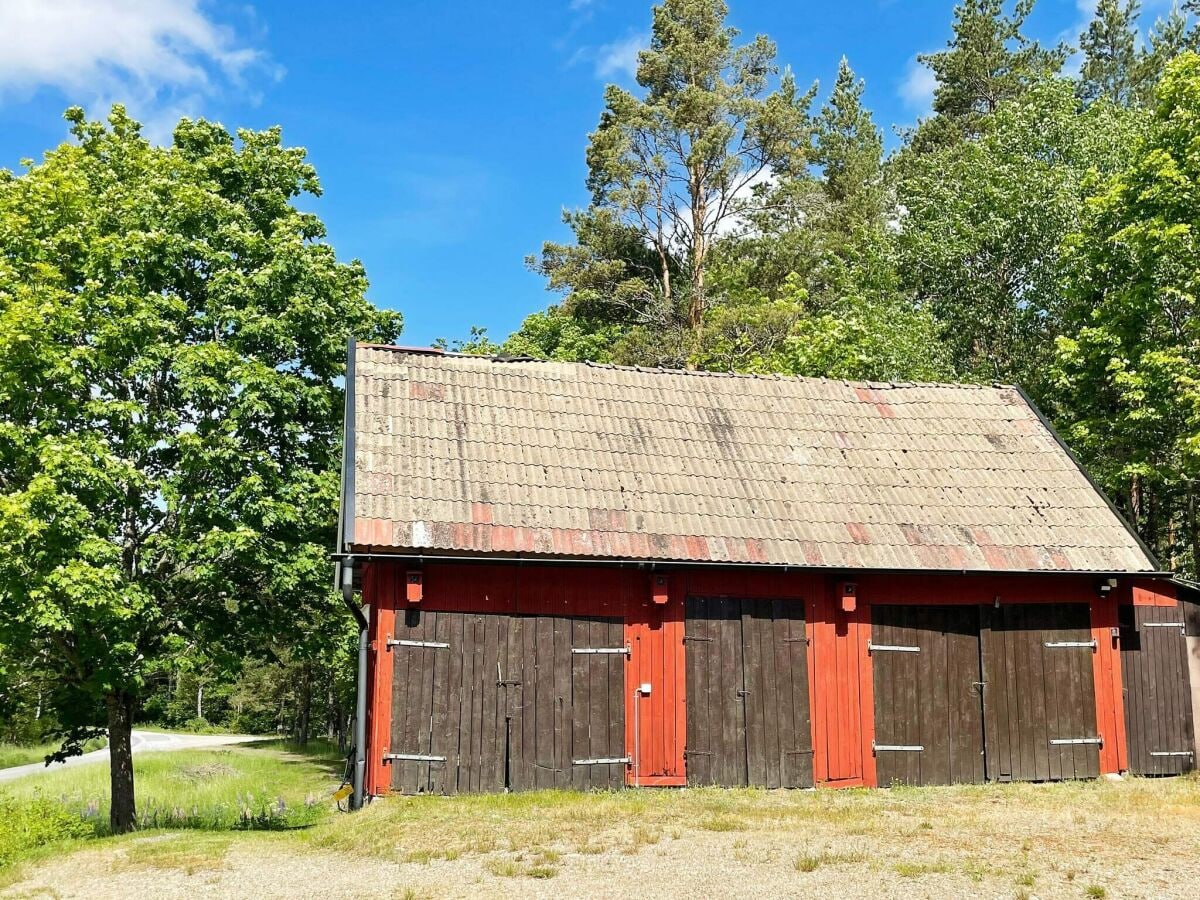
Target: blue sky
pixel 448 136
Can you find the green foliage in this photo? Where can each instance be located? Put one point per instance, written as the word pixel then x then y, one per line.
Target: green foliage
pixel 1111 58
pixel 982 222
pixel 172 332
pixel 849 150
pixel 29 825
pixel 987 62
pixel 1130 372
pixel 854 338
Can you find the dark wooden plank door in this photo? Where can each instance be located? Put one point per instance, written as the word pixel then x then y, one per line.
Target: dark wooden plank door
pixel 485 702
pixel 928 707
pixel 597 704
pixel 1039 699
pixel 775 681
pixel 747 693
pixel 716 720
pixel 1158 703
pixel 427 690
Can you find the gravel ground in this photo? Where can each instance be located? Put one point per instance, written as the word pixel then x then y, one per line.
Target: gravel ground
pixel 1134 839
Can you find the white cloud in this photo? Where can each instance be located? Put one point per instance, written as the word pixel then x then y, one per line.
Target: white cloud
pixel 918 86
pixel 620 58
pixel 157 56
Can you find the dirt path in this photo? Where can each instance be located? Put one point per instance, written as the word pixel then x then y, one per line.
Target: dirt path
pixel 1137 839
pixel 143 742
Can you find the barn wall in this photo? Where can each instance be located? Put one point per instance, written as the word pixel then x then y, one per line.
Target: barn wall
pixel 840 669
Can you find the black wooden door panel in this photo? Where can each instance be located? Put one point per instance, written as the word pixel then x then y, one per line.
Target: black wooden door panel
pixel 928 710
pixel 1039 702
pixel 1158 703
pixel 777 702
pixel 484 702
pixel 716 722
pixel 597 725
pixel 747 689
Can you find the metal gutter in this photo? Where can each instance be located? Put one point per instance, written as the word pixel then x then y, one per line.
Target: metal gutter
pixel 683 564
pixel 1084 472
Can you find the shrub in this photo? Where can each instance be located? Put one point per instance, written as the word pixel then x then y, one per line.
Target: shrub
pixel 27 825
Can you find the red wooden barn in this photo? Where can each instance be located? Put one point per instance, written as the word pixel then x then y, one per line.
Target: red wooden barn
pixel 593 576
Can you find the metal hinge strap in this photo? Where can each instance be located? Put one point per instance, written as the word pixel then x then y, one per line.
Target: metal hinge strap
pixel 434 645
pixel 1057 644
pixel 1172 753
pixel 624 651
pixel 1058 742
pixel 1178 625
pixel 904 748
pixel 871 648
pixel 603 761
pixel 412 757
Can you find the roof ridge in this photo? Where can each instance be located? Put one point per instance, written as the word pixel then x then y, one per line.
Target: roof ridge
pixel 663 370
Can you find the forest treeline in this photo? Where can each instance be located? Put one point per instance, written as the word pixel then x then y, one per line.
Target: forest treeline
pixel 1035 228
pixel 173 326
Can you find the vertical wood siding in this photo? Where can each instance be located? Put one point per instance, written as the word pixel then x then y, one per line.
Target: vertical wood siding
pixel 839 676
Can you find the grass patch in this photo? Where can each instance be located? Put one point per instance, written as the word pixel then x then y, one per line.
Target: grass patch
pixel 250 787
pixel 1095 891
pixel 810 862
pixel 918 869
pixel 720 823
pixel 26 754
pixel 189 853
pixel 541 866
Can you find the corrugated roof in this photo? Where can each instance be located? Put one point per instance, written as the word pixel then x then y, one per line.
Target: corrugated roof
pixel 468 455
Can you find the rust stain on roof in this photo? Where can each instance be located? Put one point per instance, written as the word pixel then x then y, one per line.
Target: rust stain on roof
pixel 479 456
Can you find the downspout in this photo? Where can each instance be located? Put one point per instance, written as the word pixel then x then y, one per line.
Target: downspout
pixel 360 699
pixel 346 583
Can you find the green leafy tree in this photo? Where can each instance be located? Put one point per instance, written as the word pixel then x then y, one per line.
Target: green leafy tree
pixel 981 225
pixel 172 338
pixel 1112 62
pixel 1130 373
pixel 988 61
pixel 672 170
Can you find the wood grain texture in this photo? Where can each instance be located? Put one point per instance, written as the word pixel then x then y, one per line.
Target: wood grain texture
pixel 1158 709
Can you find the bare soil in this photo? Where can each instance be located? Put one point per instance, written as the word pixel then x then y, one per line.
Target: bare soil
pixel 1137 838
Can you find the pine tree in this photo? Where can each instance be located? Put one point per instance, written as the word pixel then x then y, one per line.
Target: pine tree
pixel 1112 61
pixel 849 149
pixel 1168 38
pixel 989 60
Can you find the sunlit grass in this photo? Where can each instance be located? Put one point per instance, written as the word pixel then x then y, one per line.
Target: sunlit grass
pixel 264 785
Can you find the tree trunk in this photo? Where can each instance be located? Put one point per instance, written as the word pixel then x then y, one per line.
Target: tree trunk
pixel 699 250
pixel 199 699
pixel 122 815
pixel 304 714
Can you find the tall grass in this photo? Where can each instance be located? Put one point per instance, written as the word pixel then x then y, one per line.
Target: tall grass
pixel 262 786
